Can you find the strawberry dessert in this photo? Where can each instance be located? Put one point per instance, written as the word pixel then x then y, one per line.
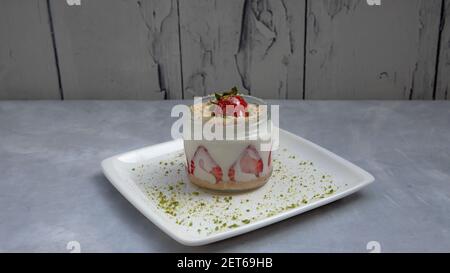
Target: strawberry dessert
pixel 230 163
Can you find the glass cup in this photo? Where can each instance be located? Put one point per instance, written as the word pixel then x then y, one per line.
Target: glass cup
pixel 229 153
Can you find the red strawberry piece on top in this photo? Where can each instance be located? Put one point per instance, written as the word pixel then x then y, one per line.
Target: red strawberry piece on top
pixel 231 104
pixel 204 160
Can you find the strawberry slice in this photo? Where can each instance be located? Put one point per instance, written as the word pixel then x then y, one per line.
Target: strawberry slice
pixel 217 172
pixel 204 161
pixel 192 167
pixel 270 159
pixel 249 162
pixel 231 173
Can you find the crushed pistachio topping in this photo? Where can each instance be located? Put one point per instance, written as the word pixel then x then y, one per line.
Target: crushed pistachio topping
pixel 295 182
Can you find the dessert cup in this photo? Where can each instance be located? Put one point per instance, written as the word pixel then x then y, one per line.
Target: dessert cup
pixel 236 161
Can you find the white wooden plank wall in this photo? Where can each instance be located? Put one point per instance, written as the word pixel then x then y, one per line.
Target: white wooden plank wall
pixel 175 49
pixel 114 49
pixel 255 45
pixel 27 60
pixel 357 51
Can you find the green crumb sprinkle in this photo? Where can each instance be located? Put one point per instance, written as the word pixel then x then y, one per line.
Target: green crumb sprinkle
pixel 292 206
pixel 205 213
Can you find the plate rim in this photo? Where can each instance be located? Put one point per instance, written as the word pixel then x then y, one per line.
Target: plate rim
pixel 112 175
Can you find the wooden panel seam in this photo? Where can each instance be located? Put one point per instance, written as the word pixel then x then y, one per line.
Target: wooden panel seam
pixel 440 57
pixel 180 50
pixel 305 44
pixel 55 49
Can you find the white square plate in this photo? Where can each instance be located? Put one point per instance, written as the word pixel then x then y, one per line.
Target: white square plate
pixel 306 176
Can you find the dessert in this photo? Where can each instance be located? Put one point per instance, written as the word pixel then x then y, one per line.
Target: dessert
pixel 228 162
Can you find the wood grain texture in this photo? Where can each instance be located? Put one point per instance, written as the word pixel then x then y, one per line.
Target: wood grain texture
pixel 357 51
pixel 256 45
pixel 113 49
pixel 443 76
pixel 27 62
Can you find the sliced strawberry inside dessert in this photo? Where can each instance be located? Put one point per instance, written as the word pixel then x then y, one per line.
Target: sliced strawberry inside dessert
pixel 191 167
pixel 205 162
pixel 269 160
pixel 232 173
pixel 217 172
pixel 250 162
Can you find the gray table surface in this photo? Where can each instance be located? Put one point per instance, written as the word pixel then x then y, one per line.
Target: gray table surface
pixel 52 189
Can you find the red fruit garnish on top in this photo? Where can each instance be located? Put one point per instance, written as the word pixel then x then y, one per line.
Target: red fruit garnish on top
pixel 232 104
